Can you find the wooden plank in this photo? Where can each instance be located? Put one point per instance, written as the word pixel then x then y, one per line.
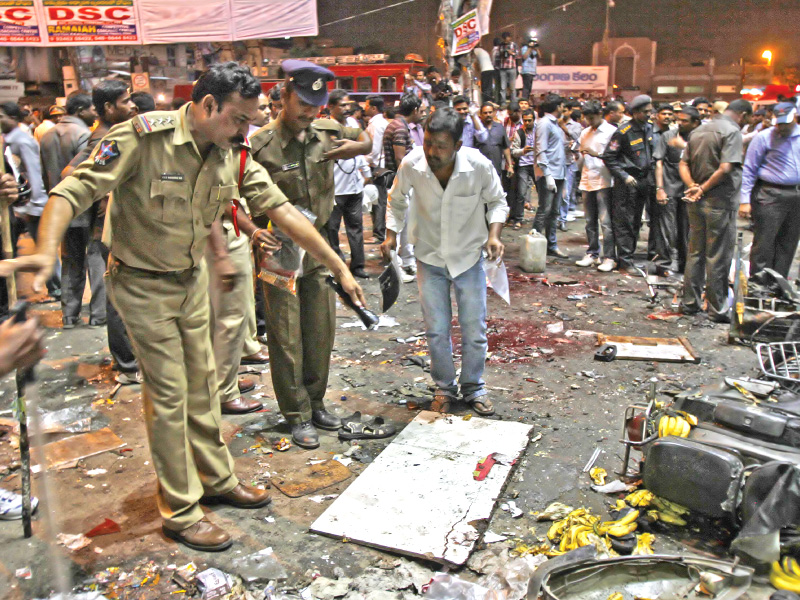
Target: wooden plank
pixel 650 349
pixel 419 497
pixel 80 446
pixel 308 480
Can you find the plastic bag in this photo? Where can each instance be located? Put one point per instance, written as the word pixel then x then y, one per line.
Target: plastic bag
pixel 283 267
pixel 369 197
pixel 497 278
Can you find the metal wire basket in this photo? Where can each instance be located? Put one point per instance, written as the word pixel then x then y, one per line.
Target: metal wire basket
pixel 781 361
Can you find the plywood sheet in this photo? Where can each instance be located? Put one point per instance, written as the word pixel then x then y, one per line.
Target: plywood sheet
pixel 308 480
pixel 419 497
pixel 651 349
pixel 80 446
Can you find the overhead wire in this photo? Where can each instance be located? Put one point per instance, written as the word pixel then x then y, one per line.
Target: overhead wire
pixel 369 12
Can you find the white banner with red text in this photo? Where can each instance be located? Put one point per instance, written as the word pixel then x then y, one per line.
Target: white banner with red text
pixel 104 22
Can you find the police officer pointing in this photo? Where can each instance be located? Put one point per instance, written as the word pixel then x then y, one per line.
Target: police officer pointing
pixel 172 173
pixel 299 154
pixel 629 157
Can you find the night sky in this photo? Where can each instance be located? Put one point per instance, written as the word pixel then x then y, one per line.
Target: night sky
pixel 685 30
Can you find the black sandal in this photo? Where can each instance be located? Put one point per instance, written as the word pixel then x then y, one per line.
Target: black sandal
pixel 353 428
pixel 482 405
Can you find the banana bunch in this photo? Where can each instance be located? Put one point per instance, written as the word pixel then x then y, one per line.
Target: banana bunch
pixel 616 596
pixel 665 506
pixel 677 426
pixel 640 498
pixel 644 544
pixel 785 574
pixel 619 528
pixel 666 517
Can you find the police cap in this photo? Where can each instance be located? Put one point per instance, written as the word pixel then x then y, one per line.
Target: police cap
pixel 310 81
pixel 639 102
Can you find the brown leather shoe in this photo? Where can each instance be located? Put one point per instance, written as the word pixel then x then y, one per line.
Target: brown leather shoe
pixel 203 536
pixel 240 406
pixel 242 496
pixel 259 358
pixel 246 384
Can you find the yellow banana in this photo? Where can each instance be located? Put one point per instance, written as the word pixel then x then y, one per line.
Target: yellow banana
pixel 644 544
pixel 598 475
pixel 664 505
pixel 616 596
pixel 791 567
pixel 556 530
pixel 782 580
pixel 621 530
pixel 640 498
pixel 667 517
pixel 629 518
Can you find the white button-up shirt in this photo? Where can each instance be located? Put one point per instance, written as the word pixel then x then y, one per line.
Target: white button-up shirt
pixel 349 175
pixel 375 128
pixel 595 175
pixel 448 227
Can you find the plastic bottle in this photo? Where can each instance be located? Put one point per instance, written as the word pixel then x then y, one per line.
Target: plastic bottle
pixel 533 255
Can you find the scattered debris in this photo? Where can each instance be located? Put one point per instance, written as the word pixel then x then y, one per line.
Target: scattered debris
pixel 73 542
pixel 260 566
pixel 511 508
pixel 282 445
pixel 80 446
pixel 106 527
pixel 213 583
pixel 310 479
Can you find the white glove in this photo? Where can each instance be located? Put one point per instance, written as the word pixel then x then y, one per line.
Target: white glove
pixel 550 183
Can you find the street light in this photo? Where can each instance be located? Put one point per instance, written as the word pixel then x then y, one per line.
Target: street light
pixel 768 55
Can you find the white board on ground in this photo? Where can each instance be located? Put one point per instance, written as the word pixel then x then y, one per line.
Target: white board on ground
pixel 419 496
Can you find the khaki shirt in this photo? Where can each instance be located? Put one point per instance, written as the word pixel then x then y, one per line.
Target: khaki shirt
pixel 298 168
pixel 165 195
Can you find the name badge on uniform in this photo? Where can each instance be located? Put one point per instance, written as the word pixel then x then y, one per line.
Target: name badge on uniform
pixel 637 141
pixel 172 177
pixel 290 166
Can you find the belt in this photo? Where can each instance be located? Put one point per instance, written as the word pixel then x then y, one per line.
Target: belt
pixel 794 187
pixel 150 271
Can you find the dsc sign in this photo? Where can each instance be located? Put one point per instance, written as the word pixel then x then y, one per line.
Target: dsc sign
pixel 466 33
pixel 89 13
pixel 18 23
pixel 17 14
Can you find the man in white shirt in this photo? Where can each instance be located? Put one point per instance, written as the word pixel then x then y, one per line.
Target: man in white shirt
pixel 459 209
pixel 596 183
pixel 373 110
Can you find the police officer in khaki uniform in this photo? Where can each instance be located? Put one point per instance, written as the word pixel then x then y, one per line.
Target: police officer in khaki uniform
pixel 299 154
pixel 172 173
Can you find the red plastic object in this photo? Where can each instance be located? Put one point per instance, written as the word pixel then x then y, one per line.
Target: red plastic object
pixel 484 466
pixel 106 527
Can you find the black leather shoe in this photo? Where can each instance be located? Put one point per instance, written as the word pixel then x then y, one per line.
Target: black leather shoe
pixel 325 420
pixel 360 273
pixel 305 436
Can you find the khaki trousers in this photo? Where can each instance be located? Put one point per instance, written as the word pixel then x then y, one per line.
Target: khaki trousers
pixel 167 318
pixel 231 315
pixel 300 332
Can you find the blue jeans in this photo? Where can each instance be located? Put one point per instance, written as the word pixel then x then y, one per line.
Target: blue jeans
pixel 547 213
pixel 437 310
pixel 568 201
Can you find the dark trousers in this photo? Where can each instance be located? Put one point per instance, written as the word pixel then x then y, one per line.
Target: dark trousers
pixel 118 342
pixel 379 214
pixel 681 232
pixel 547 212
pixel 261 309
pixel 626 216
pixel 348 206
pixel 81 253
pixel 54 283
pixel 516 203
pixel 488 85
pixel 527 82
pixel 663 231
pixel 712 238
pixel 776 228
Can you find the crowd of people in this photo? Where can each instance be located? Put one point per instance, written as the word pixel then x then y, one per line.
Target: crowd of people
pixel 213 182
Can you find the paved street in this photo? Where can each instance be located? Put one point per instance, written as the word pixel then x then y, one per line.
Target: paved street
pixel 545 379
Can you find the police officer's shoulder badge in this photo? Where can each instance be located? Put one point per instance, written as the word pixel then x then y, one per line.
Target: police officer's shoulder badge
pixel 625 128
pixel 107 153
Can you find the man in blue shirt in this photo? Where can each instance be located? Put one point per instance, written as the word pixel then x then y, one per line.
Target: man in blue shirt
pixel 771 192
pixel 551 158
pixel 474 131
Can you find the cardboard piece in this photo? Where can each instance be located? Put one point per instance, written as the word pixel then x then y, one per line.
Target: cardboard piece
pixel 419 497
pixel 650 349
pixel 308 480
